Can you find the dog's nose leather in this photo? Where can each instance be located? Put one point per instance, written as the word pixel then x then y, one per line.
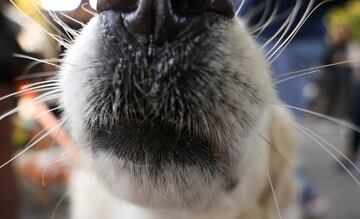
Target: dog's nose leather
pixel 160 21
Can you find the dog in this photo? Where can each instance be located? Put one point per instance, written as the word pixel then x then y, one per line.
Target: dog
pixel 172 106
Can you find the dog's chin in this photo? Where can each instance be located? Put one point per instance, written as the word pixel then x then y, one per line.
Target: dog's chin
pixel 190 187
pixel 166 140
pixel 152 163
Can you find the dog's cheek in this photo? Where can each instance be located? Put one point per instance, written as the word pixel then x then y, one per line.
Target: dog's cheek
pixel 77 68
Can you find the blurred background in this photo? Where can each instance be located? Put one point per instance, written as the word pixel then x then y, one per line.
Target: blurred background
pixel 314 52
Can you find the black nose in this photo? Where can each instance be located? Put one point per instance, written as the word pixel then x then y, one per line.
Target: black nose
pixel 161 20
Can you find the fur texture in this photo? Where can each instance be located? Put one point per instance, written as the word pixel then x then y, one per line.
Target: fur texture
pixel 213 91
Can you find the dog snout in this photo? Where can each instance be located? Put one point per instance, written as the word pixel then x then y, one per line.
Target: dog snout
pixel 160 21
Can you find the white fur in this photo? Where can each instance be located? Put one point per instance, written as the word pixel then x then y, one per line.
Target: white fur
pixel 103 195
pixel 90 198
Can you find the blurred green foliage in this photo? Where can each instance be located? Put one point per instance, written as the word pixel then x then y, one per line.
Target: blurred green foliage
pixel 347 16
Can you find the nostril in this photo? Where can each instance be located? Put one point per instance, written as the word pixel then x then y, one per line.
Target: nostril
pixel 225 7
pixel 125 6
pixel 196 7
pixel 188 7
pixel 161 21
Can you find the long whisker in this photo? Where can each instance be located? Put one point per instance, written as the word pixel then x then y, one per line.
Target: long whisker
pixel 38 25
pixel 270 182
pixel 66 155
pixel 340 122
pixel 240 7
pixel 34 100
pixel 70 33
pixel 278 153
pixel 36 75
pixel 254 11
pixel 31 90
pixel 45 18
pixel 264 16
pixel 58 204
pixel 289 22
pixel 32 143
pixel 45 61
pixel 296 76
pixel 87 10
pixel 40 83
pixel 284 28
pixel 73 20
pixel 310 135
pixel 336 150
pixel 268 20
pixel 321 67
pixel 48 111
pixel 284 45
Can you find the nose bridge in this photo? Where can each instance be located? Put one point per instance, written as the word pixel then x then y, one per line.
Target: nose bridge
pixel 167 23
pixel 154 20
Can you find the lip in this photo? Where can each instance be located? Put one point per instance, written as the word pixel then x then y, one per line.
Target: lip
pixel 156 144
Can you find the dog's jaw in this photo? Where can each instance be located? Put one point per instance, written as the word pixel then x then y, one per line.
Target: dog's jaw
pixel 242 200
pixel 239 134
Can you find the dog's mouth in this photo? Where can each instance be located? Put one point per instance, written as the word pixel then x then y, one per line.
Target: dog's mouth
pixel 179 114
pixel 152 103
pixel 157 144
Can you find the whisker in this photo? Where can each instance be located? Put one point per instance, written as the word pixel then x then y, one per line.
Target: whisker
pixel 61 138
pixel 284 28
pixel 240 7
pixel 264 14
pixel 45 61
pixel 58 204
pixel 36 75
pixel 40 12
pixel 70 33
pixel 31 90
pixel 292 34
pixel 66 155
pixel 34 100
pixel 50 97
pixel 321 67
pixel 48 111
pixel 309 133
pixel 270 182
pixel 290 167
pixel 73 20
pixel 38 25
pixel 39 83
pixel 254 11
pixel 32 143
pixel 336 150
pixel 266 21
pixel 87 10
pixel 340 122
pixel 306 16
pixel 294 77
pixel 288 23
pixel 278 153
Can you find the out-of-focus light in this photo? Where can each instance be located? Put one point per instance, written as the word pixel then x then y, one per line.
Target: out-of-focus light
pixel 93 4
pixel 29 111
pixel 63 5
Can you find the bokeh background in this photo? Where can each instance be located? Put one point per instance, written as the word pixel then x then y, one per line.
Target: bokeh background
pixel 314 51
